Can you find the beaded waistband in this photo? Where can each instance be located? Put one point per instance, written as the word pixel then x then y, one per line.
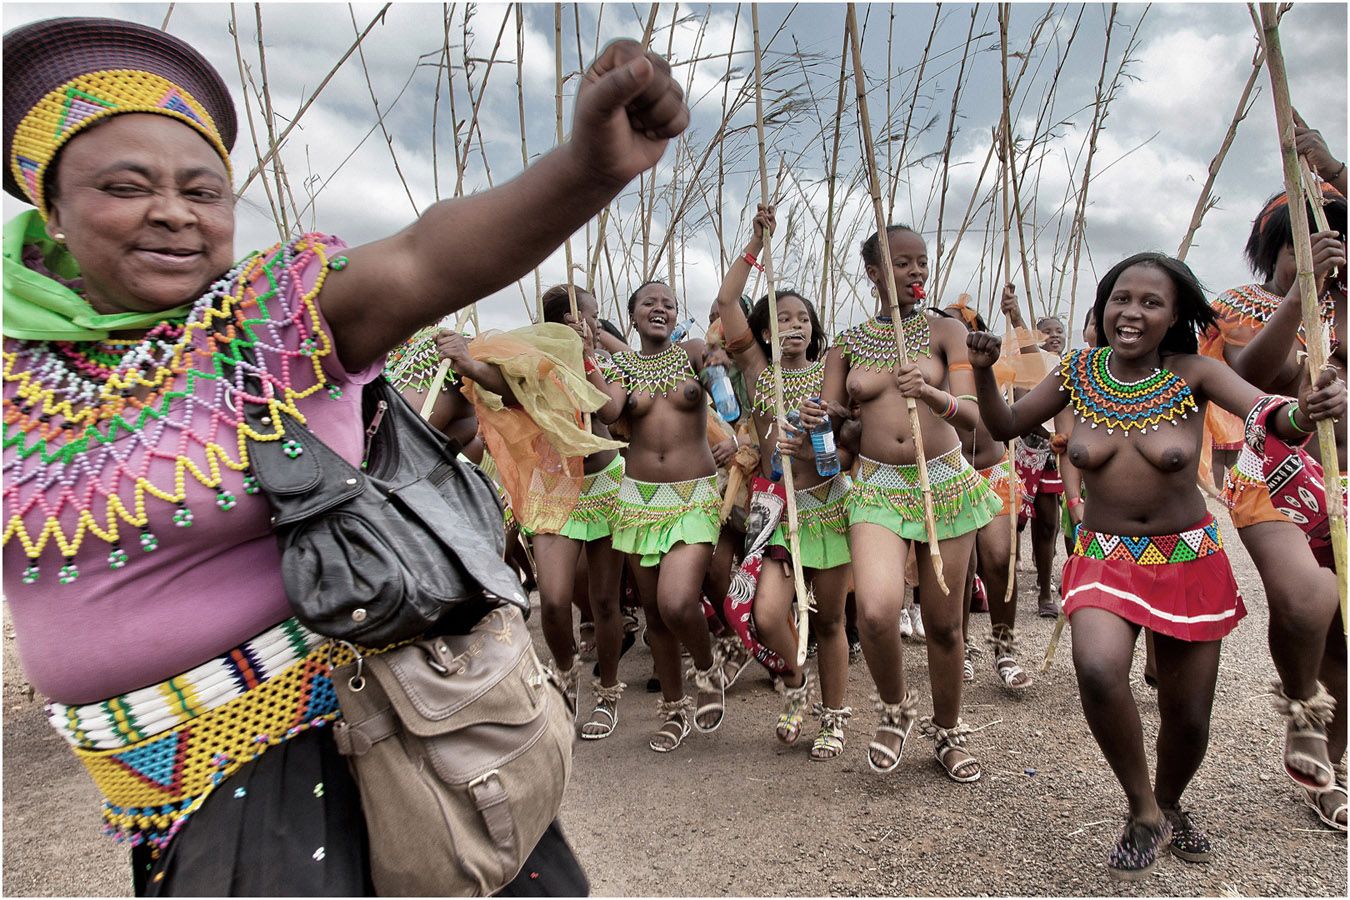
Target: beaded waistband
pixel 1151 550
pixel 156 753
pixel 942 468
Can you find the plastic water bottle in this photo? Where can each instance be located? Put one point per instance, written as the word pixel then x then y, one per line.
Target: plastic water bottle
pixel 822 441
pixel 682 330
pixel 776 461
pixel 715 378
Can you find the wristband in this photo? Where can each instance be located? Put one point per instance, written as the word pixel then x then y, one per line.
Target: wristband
pixel 1293 408
pixel 1336 174
pixel 750 258
pixel 589 364
pixel 1075 501
pixel 950 412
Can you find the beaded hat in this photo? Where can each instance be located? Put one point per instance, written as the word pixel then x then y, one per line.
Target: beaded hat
pixel 63 75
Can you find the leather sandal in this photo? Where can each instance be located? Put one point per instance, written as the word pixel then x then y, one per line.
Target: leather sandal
pixel 1013 676
pixel 896 719
pixel 947 741
pixel 1329 803
pixel 829 741
pixel 709 681
pixel 734 658
pixel 675 728
pixel 789 726
pixel 605 716
pixel 1306 720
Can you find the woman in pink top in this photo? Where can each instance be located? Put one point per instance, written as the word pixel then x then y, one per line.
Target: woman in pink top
pixel 143 578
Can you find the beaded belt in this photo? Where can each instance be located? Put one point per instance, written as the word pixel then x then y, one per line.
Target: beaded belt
pixel 156 753
pixel 598 492
pixel 884 485
pixel 1151 550
pixel 650 502
pixel 826 504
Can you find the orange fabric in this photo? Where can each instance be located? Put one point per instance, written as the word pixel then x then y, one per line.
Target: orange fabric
pixel 1001 485
pixel 742 342
pixel 1248 502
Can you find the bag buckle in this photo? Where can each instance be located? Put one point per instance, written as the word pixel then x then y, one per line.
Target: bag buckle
pixel 483 779
pixel 358 680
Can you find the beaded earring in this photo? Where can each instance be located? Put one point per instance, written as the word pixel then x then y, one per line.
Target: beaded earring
pixel 59 237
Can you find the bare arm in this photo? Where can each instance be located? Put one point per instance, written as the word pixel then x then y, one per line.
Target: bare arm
pixel 1004 423
pixel 461 250
pixel 1270 354
pixel 1324 399
pixel 734 324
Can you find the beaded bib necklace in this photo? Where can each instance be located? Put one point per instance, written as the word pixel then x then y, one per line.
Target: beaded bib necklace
pixel 798 384
pixel 83 422
pixel 1099 398
pixel 413 363
pixel 1252 305
pixel 871 345
pixel 656 374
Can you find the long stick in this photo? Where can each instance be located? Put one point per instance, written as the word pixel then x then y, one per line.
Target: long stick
pixel 1006 160
pixel 1307 283
pixel 558 69
pixel 776 350
pixel 935 551
pixel 524 147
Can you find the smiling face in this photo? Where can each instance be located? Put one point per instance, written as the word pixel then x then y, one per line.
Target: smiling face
pixel 1053 329
pixel 147 211
pixel 909 260
pixel 794 326
pixel 654 313
pixel 1140 309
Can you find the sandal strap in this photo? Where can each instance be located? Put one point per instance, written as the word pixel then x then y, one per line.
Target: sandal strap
pixel 831 717
pixel 704 678
pixel 1003 640
pixel 669 709
pixel 610 694
pixel 1312 714
pixel 955 736
pixel 902 713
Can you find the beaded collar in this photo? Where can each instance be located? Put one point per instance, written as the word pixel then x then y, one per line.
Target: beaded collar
pixel 1099 398
pixel 871 345
pixel 1252 305
pixel 798 384
pixel 84 421
pixel 413 363
pixel 656 374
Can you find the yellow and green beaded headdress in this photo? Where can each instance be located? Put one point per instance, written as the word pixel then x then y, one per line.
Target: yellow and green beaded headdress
pixel 63 75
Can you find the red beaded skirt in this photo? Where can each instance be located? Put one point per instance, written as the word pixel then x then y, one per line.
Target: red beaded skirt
pixel 1180 585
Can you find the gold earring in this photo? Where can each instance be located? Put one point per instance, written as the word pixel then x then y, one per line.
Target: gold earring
pixel 876 294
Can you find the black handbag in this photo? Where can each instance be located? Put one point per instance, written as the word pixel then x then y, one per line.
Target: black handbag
pixel 408 543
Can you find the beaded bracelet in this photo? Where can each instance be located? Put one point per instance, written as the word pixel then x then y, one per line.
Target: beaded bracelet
pixel 950 412
pixel 1293 408
pixel 750 258
pixel 589 364
pixel 1075 501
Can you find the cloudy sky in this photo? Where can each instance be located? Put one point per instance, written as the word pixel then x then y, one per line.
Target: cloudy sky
pixel 1176 96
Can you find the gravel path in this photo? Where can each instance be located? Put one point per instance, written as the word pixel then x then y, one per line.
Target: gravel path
pixel 736 813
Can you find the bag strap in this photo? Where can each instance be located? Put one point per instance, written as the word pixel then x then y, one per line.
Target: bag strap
pixel 489 797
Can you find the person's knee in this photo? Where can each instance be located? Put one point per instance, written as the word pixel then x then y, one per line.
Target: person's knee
pixel 1301 606
pixel 1099 680
pixel 877 621
pixel 1188 723
pixel 945 636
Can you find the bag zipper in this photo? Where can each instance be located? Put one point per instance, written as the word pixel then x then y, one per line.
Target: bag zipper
pixel 373 427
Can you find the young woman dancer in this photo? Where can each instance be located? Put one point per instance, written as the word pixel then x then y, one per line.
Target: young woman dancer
pixel 822 505
pixel 1147 553
pixel 886 507
pixel 1294 560
pixel 668 505
pixel 993 542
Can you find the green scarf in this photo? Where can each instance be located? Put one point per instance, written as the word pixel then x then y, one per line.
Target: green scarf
pixel 37 308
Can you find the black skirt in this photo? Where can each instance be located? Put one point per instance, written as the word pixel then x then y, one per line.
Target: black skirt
pixel 289 824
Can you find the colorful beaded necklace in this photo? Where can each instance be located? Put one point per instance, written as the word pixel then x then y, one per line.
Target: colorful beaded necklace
pixel 871 345
pixel 798 384
pixel 655 374
pixel 413 363
pixel 1252 305
pixel 1099 398
pixel 81 429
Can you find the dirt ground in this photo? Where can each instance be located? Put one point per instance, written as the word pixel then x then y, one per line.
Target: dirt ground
pixel 736 813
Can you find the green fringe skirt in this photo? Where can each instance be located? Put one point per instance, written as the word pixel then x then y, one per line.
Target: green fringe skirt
pixel 889 496
pixel 655 516
pixel 822 524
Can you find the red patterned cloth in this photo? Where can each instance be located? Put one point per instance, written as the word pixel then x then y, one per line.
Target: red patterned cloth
pixel 1180 585
pixel 768 500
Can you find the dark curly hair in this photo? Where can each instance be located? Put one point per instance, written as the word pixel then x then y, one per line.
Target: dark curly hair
pixel 1272 231
pixel 759 322
pixel 1194 314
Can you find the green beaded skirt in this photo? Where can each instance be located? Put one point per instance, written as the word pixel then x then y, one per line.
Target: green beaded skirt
pixel 889 496
pixel 822 524
pixel 655 516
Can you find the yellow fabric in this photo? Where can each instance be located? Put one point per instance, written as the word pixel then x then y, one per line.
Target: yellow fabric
pixel 542 439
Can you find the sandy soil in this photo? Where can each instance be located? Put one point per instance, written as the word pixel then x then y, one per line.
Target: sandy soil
pixel 736 813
